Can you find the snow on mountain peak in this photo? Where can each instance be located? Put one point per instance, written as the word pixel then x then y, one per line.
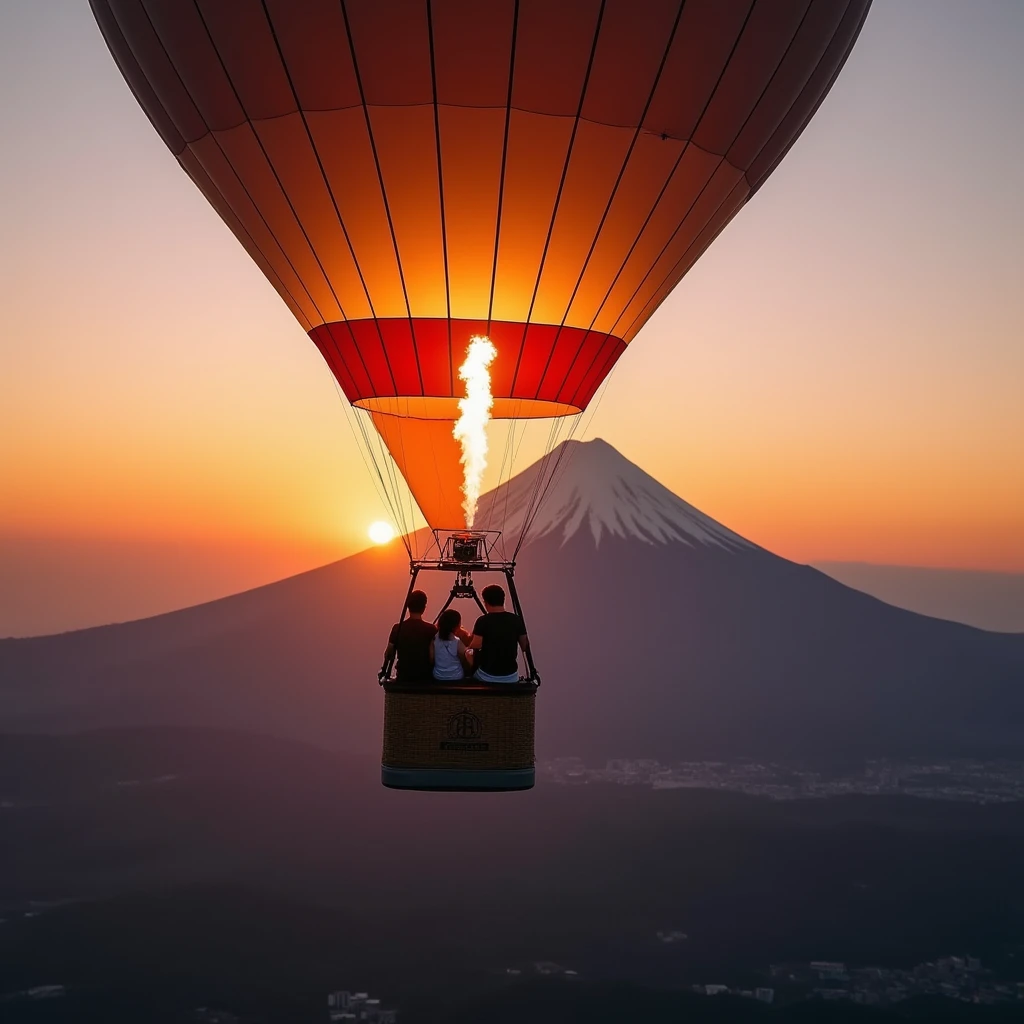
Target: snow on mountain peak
pixel 590 485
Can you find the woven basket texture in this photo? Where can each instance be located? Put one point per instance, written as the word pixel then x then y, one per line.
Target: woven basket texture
pixel 477 731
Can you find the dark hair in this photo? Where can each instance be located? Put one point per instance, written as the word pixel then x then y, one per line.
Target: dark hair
pixel 417 602
pixel 449 621
pixel 493 595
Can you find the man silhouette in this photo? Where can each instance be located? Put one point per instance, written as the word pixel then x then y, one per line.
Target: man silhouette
pixel 496 636
pixel 410 639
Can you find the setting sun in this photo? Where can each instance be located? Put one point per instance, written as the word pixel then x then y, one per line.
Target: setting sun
pixel 381 532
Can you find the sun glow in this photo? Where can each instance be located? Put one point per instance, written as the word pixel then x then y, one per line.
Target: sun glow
pixel 381 532
pixel 471 427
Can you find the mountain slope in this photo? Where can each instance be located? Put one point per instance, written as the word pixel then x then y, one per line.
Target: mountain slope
pixel 988 600
pixel 658 632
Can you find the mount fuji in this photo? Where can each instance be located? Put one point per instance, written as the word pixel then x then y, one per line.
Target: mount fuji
pixel 658 633
pixel 590 486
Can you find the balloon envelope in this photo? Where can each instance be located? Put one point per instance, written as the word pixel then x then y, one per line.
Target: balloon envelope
pixel 409 173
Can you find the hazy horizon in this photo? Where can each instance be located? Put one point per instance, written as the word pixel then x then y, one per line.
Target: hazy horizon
pixel 106 581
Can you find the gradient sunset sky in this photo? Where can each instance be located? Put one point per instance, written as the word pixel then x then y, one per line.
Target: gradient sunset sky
pixel 841 377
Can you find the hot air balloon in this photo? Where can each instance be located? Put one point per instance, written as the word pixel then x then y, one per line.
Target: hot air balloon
pixel 529 177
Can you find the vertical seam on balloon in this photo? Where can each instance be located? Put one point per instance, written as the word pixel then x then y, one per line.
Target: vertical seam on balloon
pixel 558 193
pixel 610 360
pixel 440 197
pixel 696 128
pixel 685 256
pixel 345 320
pixel 593 359
pixel 242 185
pixel 380 182
pixel 607 210
pixel 326 180
pixel 672 173
pixel 341 357
pixel 764 177
pixel 270 163
pixel 504 161
pixel 739 131
pixel 862 17
pixel 800 90
pixel 103 26
pixel 271 269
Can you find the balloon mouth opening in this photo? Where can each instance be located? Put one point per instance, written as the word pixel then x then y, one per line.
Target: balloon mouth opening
pixel 419 407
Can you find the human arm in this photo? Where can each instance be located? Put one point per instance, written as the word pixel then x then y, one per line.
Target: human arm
pixel 387 663
pixel 389 654
pixel 476 641
pixel 467 665
pixel 524 646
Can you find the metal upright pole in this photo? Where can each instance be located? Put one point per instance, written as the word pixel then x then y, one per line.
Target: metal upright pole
pixel 518 609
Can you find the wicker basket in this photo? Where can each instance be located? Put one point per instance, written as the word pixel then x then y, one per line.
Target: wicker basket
pixel 458 735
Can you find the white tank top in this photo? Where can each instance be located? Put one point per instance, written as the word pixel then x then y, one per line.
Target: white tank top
pixel 446 659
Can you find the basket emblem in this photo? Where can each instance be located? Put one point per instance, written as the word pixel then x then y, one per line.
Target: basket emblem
pixel 464 725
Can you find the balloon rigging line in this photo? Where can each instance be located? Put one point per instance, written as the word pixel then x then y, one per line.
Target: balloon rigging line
pixel 383 468
pixel 528 515
pixel 369 461
pixel 371 468
pixel 405 461
pixel 384 460
pixel 574 428
pixel 577 420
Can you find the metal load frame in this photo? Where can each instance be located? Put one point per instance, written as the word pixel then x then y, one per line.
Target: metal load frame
pixel 463 552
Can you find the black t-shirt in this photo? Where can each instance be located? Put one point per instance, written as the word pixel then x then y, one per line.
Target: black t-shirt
pixel 500 632
pixel 412 639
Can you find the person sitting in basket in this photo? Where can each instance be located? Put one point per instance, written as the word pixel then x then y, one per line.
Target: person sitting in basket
pixel 412 639
pixel 496 637
pixel 448 653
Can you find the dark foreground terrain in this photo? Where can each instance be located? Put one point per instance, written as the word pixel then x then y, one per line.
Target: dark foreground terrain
pixel 152 872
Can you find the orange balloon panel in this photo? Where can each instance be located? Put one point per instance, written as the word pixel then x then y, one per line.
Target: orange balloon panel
pixel 408 173
pixel 427 454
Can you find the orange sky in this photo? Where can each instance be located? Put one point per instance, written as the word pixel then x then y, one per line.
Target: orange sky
pixel 840 377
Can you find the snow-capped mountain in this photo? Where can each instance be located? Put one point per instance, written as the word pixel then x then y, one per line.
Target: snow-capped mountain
pixel 658 632
pixel 588 485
